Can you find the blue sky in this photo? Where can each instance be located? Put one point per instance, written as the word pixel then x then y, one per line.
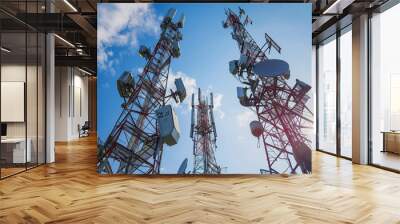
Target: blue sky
pixel 206 49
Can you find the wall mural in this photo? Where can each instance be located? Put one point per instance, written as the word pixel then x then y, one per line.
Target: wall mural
pixel 181 93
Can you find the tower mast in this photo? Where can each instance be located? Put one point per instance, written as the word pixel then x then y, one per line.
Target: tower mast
pixel 204 135
pixel 135 144
pixel 281 109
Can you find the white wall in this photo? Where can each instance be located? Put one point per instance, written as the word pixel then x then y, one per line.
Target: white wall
pixel 33 126
pixel 14 73
pixel 17 73
pixel 70 84
pixel 62 82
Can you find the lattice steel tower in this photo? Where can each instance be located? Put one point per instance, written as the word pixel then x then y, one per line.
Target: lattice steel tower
pixel 135 144
pixel 281 109
pixel 204 135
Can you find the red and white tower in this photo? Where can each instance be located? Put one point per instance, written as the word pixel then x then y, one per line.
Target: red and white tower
pixel 204 135
pixel 281 109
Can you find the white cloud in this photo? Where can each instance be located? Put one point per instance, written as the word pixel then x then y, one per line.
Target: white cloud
pixel 218 105
pixel 120 24
pixel 217 101
pixel 243 119
pixel 191 87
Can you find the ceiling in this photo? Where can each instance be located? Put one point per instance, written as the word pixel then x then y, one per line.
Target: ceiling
pixel 75 21
pixel 332 15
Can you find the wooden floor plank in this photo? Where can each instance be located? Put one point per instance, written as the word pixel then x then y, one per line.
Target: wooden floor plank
pixel 70 191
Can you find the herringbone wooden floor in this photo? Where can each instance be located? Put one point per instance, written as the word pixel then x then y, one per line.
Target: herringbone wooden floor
pixel 70 191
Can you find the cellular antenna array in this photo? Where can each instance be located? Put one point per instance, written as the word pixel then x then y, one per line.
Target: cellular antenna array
pixel 204 135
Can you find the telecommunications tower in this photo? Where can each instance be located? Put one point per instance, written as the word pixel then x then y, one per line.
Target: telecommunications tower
pixel 281 109
pixel 135 144
pixel 204 135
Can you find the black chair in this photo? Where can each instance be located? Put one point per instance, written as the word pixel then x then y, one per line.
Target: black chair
pixel 84 130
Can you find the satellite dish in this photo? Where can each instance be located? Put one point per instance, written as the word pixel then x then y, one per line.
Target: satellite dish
pixel 272 68
pixel 182 168
pixel 256 128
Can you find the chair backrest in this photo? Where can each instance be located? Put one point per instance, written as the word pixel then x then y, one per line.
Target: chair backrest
pixel 86 125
